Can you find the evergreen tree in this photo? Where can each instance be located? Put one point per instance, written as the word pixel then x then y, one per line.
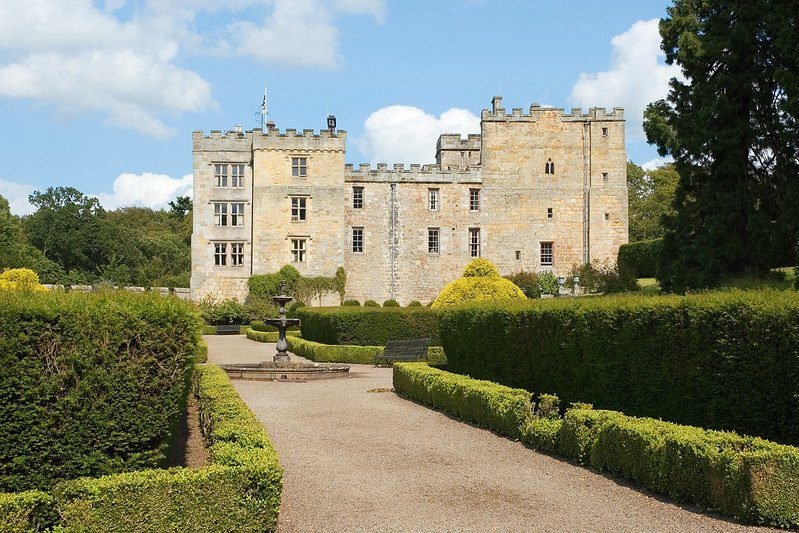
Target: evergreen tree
pixel 727 127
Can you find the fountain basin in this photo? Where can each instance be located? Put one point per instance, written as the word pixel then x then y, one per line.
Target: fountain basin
pixel 286 371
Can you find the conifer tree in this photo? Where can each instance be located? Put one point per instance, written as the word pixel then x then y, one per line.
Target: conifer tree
pixel 730 125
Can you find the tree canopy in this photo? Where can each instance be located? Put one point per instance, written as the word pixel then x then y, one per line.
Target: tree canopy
pixel 731 126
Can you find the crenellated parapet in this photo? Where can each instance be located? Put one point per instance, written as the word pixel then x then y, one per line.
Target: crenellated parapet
pixel 536 112
pixel 414 174
pixel 271 139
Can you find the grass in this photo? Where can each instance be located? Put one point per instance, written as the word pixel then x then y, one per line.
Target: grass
pixel 780 279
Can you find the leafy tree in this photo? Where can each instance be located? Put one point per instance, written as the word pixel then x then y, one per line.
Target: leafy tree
pixel 16 252
pixel 731 127
pixel 69 228
pixel 651 198
pixel 180 207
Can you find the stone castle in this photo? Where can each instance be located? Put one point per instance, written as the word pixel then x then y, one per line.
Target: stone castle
pixel 535 191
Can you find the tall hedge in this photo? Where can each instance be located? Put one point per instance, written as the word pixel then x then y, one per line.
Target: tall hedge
pixel 90 384
pixel 641 258
pixel 371 326
pixel 726 360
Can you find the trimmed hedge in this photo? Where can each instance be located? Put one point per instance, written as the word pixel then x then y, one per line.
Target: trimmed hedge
pixel 368 326
pixel 749 478
pixel 239 491
pixel 496 407
pixel 90 384
pixel 202 351
pixel 723 360
pixel 641 258
pixel 325 353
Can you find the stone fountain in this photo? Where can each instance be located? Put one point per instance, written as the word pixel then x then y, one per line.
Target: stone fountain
pixel 282 368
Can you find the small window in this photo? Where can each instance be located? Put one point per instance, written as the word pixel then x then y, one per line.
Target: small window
pixel 237 214
pixel 220 175
pixel 298 211
pixel 433 240
pixel 607 216
pixel 298 250
pixel 357 197
pixel 357 239
pixel 220 253
pixel 299 167
pixel 432 199
pixel 220 214
pixel 547 256
pixel 474 242
pixel 605 176
pixel 604 132
pixel 474 199
pixel 518 255
pixel 549 167
pixel 237 176
pixel 550 214
pixel 237 254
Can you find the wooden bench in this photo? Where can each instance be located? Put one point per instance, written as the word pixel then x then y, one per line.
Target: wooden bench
pixel 229 329
pixel 405 350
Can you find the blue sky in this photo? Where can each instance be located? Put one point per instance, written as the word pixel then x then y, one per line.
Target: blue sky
pixel 103 96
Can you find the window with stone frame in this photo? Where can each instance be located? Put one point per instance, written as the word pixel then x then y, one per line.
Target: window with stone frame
pixel 474 242
pixel 299 166
pixel 550 213
pixel 357 240
pixel 433 240
pixel 298 250
pixel 357 197
pixel 220 214
pixel 220 174
pixel 237 254
pixel 237 214
pixel 549 167
pixel 433 199
pixel 474 199
pixel 220 254
pixel 547 254
pixel 237 176
pixel 298 208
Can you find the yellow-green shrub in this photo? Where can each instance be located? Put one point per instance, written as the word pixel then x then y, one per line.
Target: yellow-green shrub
pixel 20 279
pixel 480 282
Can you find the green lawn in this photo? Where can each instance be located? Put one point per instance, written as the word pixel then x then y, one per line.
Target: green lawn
pixel 781 279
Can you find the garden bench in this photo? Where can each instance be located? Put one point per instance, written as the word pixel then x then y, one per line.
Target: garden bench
pixel 405 350
pixel 222 329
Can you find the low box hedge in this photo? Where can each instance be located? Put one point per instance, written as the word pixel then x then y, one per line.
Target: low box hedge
pixel 748 478
pixel 489 405
pixel 325 353
pixel 721 360
pixel 90 384
pixel 239 491
pixel 370 326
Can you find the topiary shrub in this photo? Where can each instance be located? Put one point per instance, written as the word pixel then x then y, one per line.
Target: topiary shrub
pixel 371 303
pixel 480 282
pixel 415 303
pixel 351 303
pixel 641 258
pixel 391 303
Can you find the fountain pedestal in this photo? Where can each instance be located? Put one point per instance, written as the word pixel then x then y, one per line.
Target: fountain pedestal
pixel 282 324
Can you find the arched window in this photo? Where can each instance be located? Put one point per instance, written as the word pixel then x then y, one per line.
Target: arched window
pixel 549 167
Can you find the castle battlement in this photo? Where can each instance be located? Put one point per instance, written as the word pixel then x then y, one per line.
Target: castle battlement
pixel 536 112
pixel 454 141
pixel 416 173
pixel 289 132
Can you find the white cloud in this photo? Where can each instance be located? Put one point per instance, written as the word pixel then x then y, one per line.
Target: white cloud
pixel 145 190
pixel 637 76
pixel 405 134
pixel 80 56
pixel 17 196
pixel 656 163
pixel 300 33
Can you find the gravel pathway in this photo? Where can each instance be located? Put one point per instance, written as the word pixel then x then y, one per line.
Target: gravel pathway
pixel 371 461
